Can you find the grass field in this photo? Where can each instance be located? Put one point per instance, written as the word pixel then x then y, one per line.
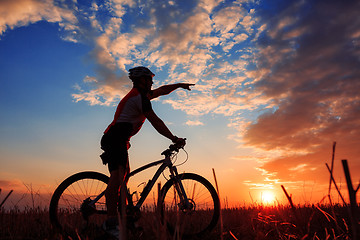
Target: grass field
pixel 252 222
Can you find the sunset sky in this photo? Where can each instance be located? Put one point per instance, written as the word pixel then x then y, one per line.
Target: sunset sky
pixel 277 82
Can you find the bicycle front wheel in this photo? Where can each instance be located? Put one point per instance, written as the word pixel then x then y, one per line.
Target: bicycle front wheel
pixel 204 213
pixel 70 211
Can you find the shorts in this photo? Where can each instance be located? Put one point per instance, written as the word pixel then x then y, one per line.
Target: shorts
pixel 115 144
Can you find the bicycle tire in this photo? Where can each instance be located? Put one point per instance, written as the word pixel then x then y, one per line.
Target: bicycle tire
pixel 64 209
pixel 200 220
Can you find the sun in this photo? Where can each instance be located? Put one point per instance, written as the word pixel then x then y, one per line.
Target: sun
pixel 267 197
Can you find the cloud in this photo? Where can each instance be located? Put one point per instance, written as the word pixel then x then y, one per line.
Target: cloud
pixel 312 76
pixel 194 123
pixel 15 185
pixel 227 18
pixel 180 44
pixel 100 93
pixel 23 12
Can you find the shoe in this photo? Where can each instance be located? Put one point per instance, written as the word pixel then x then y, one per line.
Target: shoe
pixel 111 230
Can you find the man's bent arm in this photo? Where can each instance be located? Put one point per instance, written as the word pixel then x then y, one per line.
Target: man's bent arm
pixel 166 89
pixel 159 125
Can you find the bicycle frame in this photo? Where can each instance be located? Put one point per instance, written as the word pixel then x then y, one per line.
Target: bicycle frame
pixel 150 184
pixel 173 175
pixel 166 162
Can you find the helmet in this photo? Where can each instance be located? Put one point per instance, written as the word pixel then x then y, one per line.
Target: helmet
pixel 138 72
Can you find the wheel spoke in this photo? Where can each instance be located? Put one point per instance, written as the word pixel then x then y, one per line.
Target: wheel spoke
pixel 205 212
pixel 65 212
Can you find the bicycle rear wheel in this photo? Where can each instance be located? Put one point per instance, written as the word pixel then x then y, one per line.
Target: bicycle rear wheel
pixel 69 210
pixel 204 213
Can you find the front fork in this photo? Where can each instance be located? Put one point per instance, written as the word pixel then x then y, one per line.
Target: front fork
pixel 185 203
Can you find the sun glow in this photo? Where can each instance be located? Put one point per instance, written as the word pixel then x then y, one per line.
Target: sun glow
pixel 267 197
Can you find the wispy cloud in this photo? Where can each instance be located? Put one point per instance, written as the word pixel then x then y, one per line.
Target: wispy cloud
pixel 194 123
pixel 184 44
pixel 23 12
pixel 11 185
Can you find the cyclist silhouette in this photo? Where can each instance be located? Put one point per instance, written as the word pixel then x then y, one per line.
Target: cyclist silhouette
pixel 130 115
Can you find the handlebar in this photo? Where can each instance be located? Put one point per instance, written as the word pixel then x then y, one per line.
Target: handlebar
pixel 174 148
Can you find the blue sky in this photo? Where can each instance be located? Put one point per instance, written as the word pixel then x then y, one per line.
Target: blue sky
pixel 276 83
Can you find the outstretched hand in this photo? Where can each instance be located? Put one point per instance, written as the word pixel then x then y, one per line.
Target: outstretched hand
pixel 187 86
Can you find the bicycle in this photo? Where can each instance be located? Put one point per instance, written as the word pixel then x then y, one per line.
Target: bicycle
pixel 188 203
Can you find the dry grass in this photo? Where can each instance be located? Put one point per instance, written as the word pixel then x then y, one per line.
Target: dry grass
pixel 253 222
pixel 260 222
pixel 28 223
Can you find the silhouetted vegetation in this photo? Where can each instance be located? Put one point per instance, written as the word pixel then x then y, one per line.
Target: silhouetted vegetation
pixel 248 222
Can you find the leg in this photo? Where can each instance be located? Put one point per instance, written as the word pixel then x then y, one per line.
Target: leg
pixel 115 143
pixel 116 184
pixel 122 203
pixel 112 192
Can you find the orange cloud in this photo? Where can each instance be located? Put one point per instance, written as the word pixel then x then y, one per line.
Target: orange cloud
pixel 23 12
pixel 7 185
pixel 314 85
